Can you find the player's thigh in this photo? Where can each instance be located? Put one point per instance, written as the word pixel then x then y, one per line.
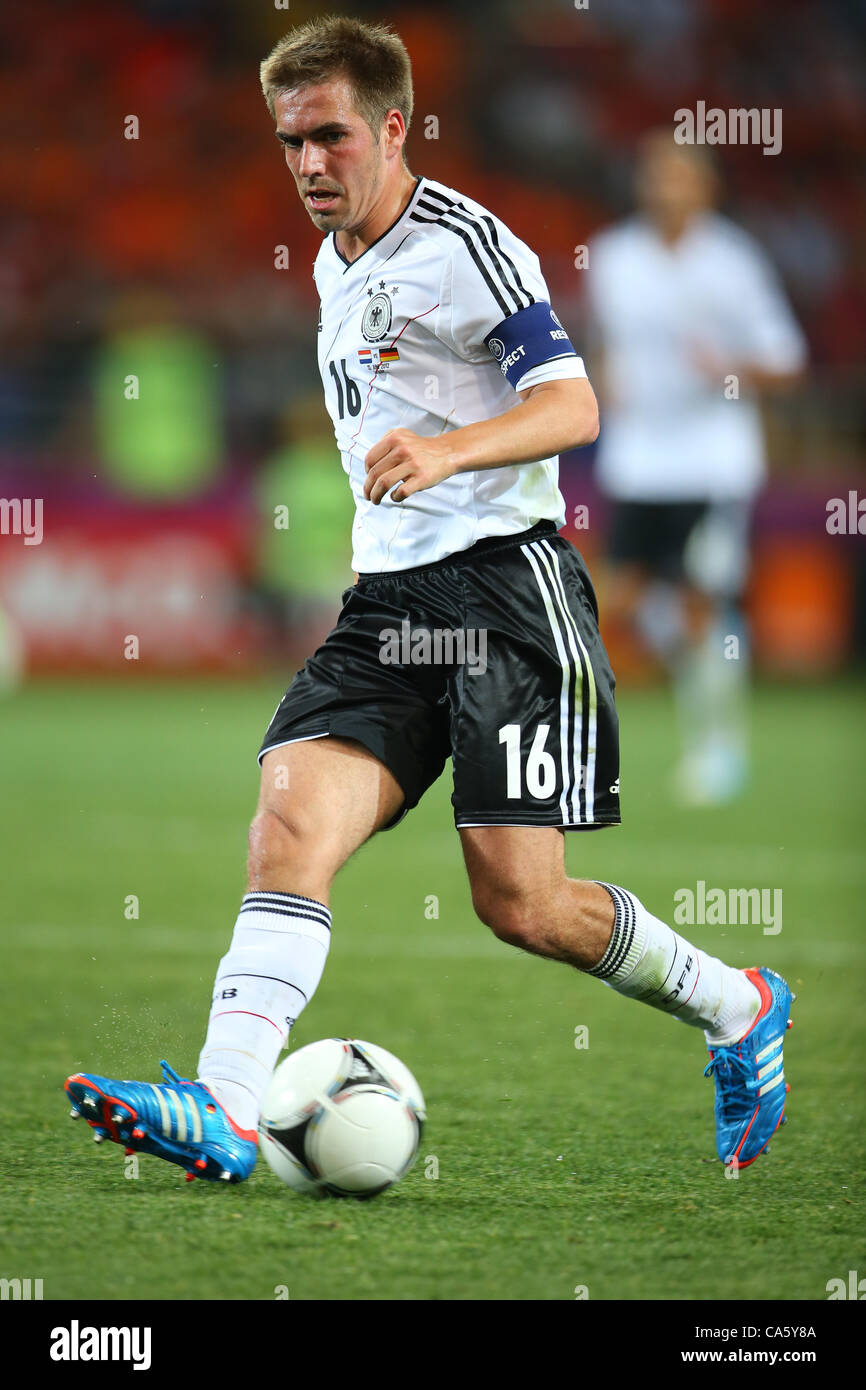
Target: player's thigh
pixel 513 860
pixel 320 799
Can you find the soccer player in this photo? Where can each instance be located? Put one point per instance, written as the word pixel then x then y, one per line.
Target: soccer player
pixel 452 387
pixel 692 326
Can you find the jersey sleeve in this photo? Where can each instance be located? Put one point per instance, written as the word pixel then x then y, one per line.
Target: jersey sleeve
pixel 496 305
pixel 771 337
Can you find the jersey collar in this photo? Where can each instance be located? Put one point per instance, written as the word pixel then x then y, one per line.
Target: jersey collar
pixel 378 243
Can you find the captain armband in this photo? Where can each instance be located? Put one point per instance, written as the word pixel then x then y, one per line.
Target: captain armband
pixel 527 339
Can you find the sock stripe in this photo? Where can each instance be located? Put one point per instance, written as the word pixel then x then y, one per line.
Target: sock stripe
pixel 295 912
pixel 626 930
pixel 284 897
pixel 250 1014
pixel 251 975
pixel 288 902
pixel 622 935
pixel 694 987
pixel 662 988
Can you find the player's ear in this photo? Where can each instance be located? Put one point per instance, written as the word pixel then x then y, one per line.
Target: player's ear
pixel 394 130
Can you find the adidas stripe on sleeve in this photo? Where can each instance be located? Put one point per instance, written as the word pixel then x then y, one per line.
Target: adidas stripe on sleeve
pixel 494 299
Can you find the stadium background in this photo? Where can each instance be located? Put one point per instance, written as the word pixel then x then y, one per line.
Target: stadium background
pixel 155 255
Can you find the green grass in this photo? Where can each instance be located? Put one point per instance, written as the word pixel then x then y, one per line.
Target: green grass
pixel 557 1167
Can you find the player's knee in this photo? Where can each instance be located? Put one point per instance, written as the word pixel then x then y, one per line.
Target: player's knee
pixel 281 841
pixel 510 916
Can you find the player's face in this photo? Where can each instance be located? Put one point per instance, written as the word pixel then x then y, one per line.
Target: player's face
pixel 335 160
pixel 672 186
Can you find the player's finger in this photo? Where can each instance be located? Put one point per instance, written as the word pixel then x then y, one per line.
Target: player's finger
pixel 387 481
pixel 383 485
pixel 386 445
pixel 378 452
pixel 377 471
pixel 408 485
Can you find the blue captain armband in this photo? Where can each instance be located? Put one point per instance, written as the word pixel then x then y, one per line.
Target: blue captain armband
pixel 528 339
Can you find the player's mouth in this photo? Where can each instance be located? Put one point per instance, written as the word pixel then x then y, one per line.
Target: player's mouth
pixel 321 199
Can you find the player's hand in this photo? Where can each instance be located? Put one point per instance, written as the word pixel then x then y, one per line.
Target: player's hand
pixel 407 463
pixel 709 364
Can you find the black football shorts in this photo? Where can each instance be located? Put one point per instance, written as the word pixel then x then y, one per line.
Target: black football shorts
pixel 704 544
pixel 491 657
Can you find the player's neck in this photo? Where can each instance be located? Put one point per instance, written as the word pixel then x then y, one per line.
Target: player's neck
pixel 674 228
pixel 352 244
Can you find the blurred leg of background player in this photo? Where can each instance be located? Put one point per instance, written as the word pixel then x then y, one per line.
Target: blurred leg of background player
pixel 678 573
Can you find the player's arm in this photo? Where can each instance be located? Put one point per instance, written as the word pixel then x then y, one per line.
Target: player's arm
pixel 750 376
pixel 770 356
pixel 553 416
pixel 557 409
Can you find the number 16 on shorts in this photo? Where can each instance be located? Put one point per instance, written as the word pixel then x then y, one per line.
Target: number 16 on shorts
pixel 540 772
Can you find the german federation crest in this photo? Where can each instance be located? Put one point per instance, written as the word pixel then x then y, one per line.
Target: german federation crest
pixel 377 317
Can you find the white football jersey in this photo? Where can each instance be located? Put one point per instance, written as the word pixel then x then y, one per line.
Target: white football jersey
pixel 668 433
pixel 433 327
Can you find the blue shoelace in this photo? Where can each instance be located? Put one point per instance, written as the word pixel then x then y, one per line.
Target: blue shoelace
pixel 736 1084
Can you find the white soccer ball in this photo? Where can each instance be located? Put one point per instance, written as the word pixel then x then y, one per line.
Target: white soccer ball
pixel 341 1116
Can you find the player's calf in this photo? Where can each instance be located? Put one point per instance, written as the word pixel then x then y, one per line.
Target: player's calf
pixel 571 924
pixel 520 890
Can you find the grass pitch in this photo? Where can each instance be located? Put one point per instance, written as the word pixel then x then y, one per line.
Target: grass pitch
pixel 546 1169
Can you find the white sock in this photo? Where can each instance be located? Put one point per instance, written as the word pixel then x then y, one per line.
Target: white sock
pixel 270 973
pixel 711 685
pixel 647 960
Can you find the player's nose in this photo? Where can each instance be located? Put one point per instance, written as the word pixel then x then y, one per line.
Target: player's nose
pixel 311 161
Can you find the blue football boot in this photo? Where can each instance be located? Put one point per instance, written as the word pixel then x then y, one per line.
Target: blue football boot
pixel 750 1083
pixel 179 1121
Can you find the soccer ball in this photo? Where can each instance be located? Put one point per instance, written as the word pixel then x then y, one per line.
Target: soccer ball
pixel 341 1116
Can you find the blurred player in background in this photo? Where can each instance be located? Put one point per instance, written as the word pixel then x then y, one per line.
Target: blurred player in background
pixel 692 325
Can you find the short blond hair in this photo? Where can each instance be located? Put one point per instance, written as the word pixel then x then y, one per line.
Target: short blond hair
pixel 372 58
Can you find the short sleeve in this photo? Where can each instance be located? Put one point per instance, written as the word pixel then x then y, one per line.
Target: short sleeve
pixel 771 337
pixel 493 275
pixel 495 305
